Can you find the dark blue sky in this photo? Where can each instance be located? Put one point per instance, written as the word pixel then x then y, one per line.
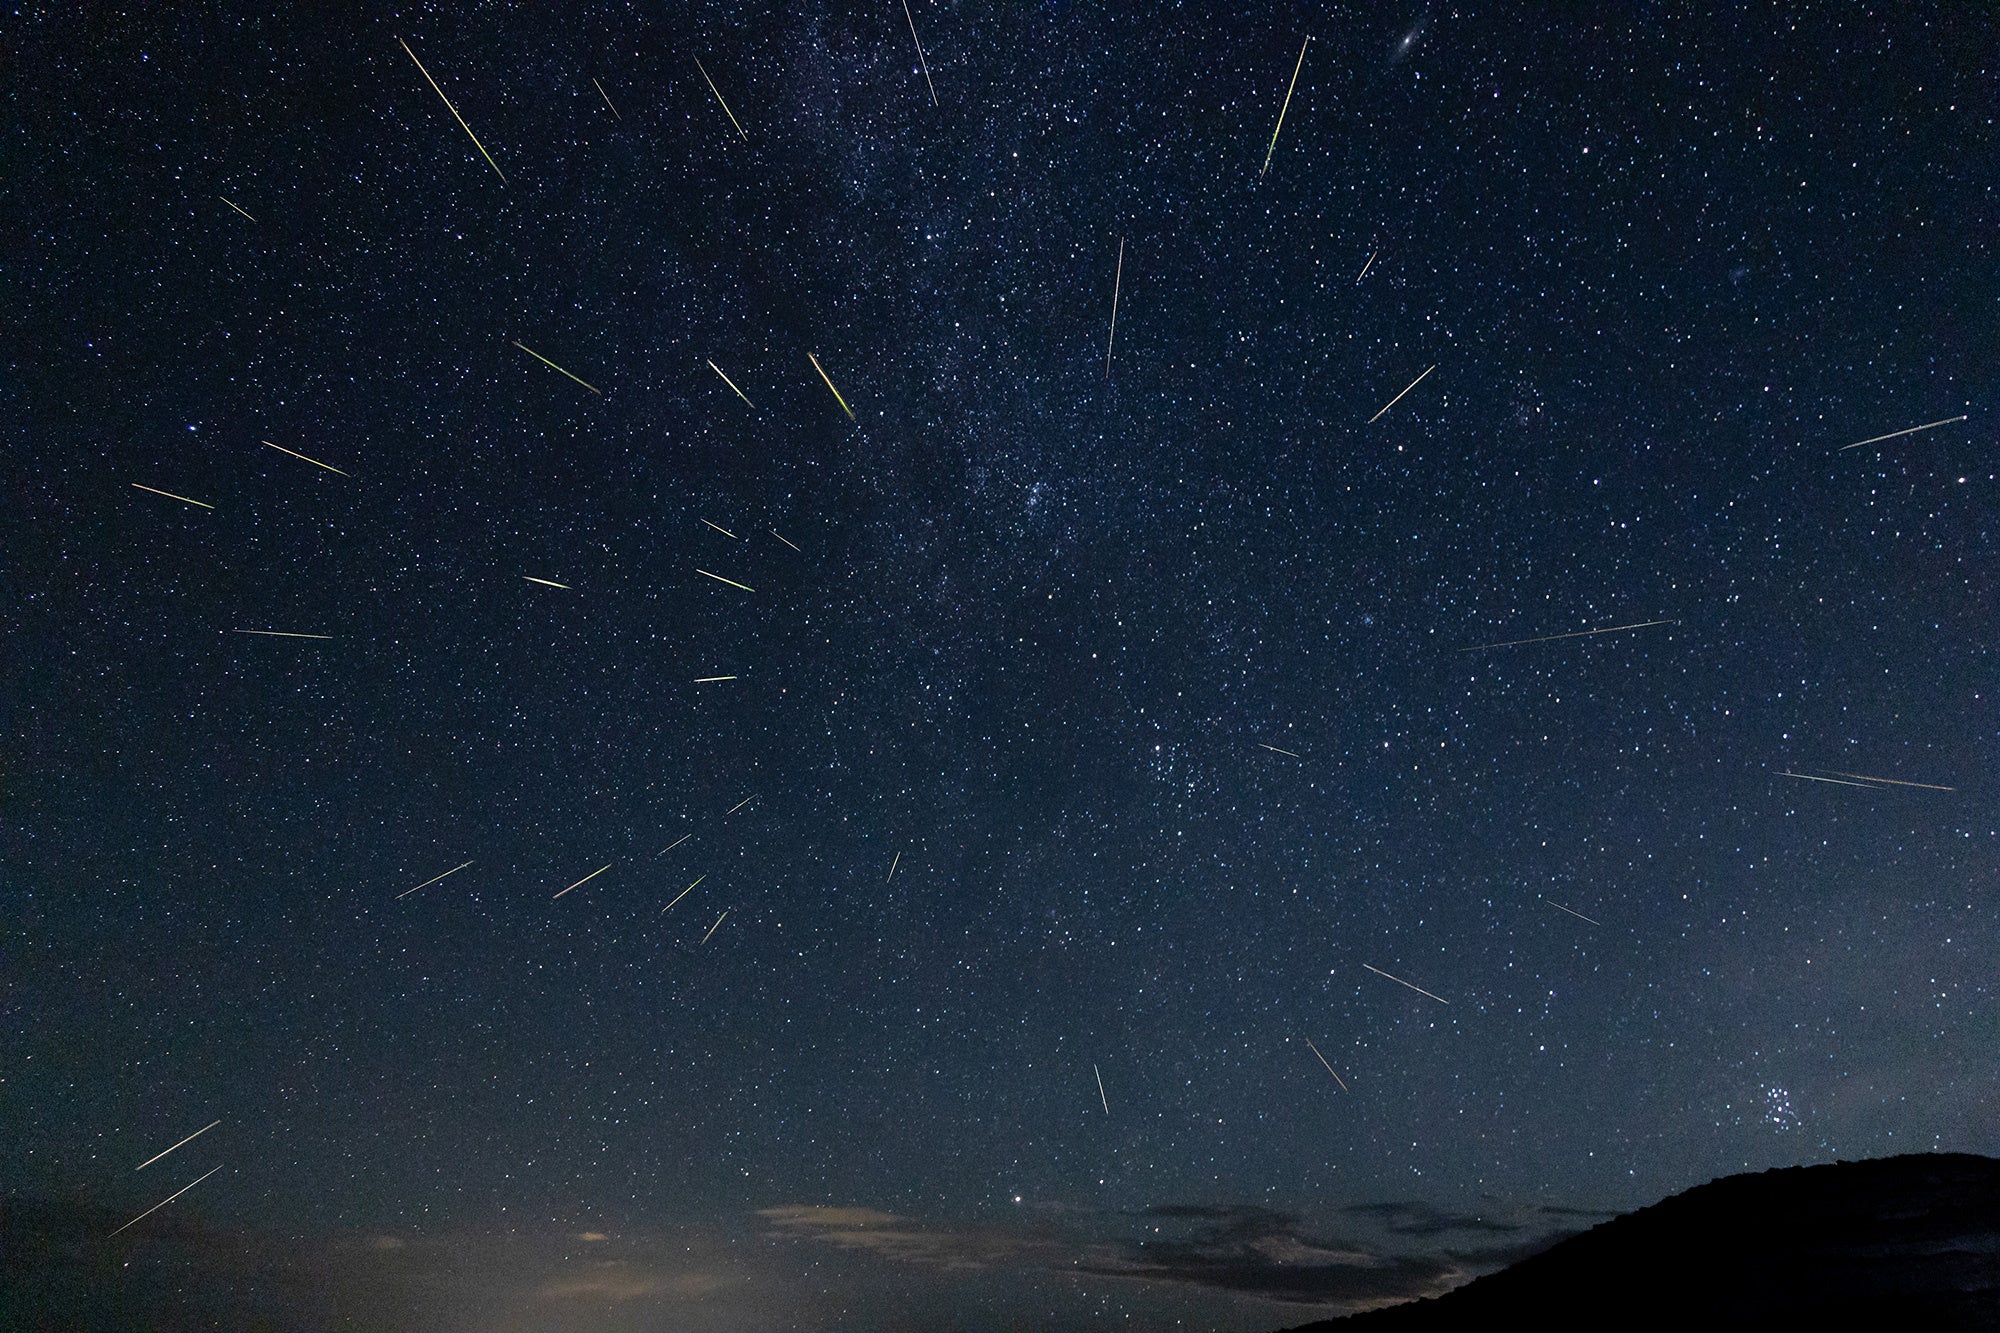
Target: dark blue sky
pixel 1160 690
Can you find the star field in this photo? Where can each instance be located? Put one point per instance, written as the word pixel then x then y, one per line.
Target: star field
pixel 1123 713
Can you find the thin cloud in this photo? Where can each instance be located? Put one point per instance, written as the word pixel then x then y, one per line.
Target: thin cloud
pixel 1237 1250
pixel 1258 1252
pixel 618 1280
pixel 902 1240
pixel 1421 1219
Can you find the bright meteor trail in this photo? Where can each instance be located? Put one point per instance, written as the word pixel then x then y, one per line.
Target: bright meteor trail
pixel 731 582
pixel 1117 282
pixel 1399 397
pixel 432 880
pixel 920 53
pixel 1286 107
pixel 829 384
pixel 1894 433
pixel 587 878
pixel 164 1202
pixel 314 461
pixel 718 97
pixel 189 1139
pixel 1400 982
pixel 454 114
pixel 1578 915
pixel 682 894
pixel 1573 634
pixel 1329 1068
pixel 732 384
pixel 1838 782
pixel 171 496
pixel 553 366
pixel 1892 782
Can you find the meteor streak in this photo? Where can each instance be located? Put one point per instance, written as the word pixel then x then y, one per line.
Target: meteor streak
pixel 607 102
pixel 587 878
pixel 724 531
pixel 920 53
pixel 553 366
pixel 1893 782
pixel 1275 750
pixel 740 804
pixel 1117 282
pixel 731 582
pixel 718 97
pixel 171 496
pixel 234 206
pixel 1399 397
pixel 280 634
pixel 189 1139
pixel 1329 1068
pixel 1573 634
pixel 1400 982
pixel 1894 433
pixel 1100 1088
pixel 709 680
pixel 454 112
pixel 432 880
pixel 1286 107
pixel 732 384
pixel 892 866
pixel 1370 264
pixel 547 583
pixel 774 533
pixel 675 843
pixel 1560 908
pixel 829 384
pixel 718 924
pixel 163 1203
pixel 314 461
pixel 684 892
pixel 1838 782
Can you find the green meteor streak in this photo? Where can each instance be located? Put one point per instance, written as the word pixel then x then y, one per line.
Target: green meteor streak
pixel 1286 107
pixel 829 384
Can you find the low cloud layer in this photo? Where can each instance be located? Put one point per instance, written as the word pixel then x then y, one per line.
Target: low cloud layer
pixel 904 1241
pixel 1258 1252
pixel 800 1266
pixel 1233 1249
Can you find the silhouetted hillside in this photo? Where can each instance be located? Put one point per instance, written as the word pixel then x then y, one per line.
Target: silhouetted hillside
pixel 1899 1243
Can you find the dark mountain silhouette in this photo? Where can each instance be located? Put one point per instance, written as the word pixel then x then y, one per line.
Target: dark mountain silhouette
pixel 1897 1243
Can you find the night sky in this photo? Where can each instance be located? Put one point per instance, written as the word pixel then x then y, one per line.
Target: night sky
pixel 1105 716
